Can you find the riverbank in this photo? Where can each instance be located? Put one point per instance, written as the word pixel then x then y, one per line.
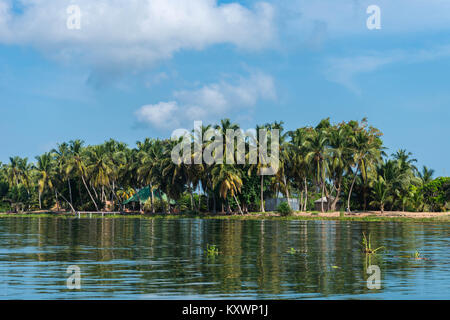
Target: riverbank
pixel 338 216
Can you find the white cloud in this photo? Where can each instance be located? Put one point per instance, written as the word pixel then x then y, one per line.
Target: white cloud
pixel 345 70
pixel 209 102
pixel 134 33
pixel 345 18
pixel 161 115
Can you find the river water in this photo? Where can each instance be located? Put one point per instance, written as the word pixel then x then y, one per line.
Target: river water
pixel 132 258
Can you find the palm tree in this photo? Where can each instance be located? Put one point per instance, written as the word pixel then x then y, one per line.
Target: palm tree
pixel 281 179
pixel 301 168
pixel 228 179
pixel 367 151
pixel 62 156
pixel 13 171
pixel 149 171
pixel 317 152
pixel 339 158
pixel 380 193
pixel 77 163
pixel 258 167
pixel 426 175
pixel 45 169
pixel 99 168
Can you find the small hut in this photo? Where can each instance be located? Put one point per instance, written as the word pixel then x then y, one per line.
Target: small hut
pixel 145 193
pixel 326 205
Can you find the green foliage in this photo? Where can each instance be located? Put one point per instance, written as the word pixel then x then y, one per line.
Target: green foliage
pixel 159 204
pixel 212 250
pixel 367 245
pixel 437 193
pixel 292 251
pixel 343 160
pixel 284 209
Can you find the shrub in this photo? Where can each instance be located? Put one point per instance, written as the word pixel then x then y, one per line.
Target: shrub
pixel 160 205
pixel 437 193
pixel 284 209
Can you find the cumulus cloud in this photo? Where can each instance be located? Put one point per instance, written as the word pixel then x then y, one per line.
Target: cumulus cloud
pixel 209 102
pixel 134 33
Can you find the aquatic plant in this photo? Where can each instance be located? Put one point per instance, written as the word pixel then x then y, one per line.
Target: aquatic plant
pixel 367 244
pixel 212 250
pixel 292 251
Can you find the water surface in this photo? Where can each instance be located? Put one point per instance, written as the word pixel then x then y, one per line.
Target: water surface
pixel 124 258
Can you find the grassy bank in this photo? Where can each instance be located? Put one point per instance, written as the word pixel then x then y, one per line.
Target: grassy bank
pixel 253 216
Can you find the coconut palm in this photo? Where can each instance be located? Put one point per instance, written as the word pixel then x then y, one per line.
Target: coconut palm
pixel 367 152
pixel 228 179
pixel 316 152
pixel 77 163
pixel 380 193
pixel 46 171
pixel 426 175
pixel 62 156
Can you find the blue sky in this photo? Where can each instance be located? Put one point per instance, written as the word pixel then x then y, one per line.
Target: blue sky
pixel 144 68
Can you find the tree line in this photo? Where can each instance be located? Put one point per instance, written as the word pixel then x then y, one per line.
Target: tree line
pixel 345 163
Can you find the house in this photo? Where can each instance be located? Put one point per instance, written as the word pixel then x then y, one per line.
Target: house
pixel 144 194
pixel 326 205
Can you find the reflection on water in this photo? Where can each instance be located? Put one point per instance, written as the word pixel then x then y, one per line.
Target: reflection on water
pixel 125 258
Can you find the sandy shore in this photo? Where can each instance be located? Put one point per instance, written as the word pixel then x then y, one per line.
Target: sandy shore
pixel 387 214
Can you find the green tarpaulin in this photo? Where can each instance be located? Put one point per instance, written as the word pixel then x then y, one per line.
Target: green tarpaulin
pixel 144 194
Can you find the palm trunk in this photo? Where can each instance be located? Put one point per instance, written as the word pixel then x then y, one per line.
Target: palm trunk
pixel 70 190
pixel 90 195
pixel 240 210
pixel 192 198
pixel 351 188
pixel 153 199
pixel 321 199
pixel 306 195
pixel 57 202
pixel 338 192
pixel 40 203
pixel 262 194
pixel 71 207
pixel 301 201
pixel 286 191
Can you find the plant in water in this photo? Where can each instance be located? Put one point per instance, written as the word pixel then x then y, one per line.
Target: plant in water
pixel 292 251
pixel 212 250
pixel 368 245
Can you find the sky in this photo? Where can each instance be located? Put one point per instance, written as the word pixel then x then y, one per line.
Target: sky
pixel 143 68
